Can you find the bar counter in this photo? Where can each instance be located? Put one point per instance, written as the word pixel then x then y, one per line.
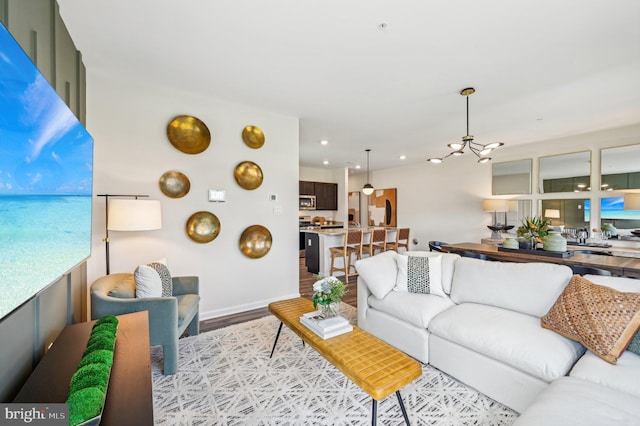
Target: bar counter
pixel 318 243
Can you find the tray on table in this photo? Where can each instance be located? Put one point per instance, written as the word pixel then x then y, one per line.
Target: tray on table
pixel 562 254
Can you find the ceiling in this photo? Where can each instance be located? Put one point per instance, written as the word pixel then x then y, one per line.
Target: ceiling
pixel 383 74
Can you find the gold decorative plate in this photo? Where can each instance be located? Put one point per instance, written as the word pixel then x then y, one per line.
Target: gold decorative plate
pixel 253 137
pixel 248 175
pixel 174 184
pixel 203 227
pixel 255 241
pixel 188 134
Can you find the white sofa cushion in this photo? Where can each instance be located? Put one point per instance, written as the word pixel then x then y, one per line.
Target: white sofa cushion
pixel 530 288
pixel 510 337
pixel 379 272
pixel 623 376
pixel 570 401
pixel 420 274
pixel 414 308
pixel 618 283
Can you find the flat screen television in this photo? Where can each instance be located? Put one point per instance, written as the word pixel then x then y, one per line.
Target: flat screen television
pixel 46 162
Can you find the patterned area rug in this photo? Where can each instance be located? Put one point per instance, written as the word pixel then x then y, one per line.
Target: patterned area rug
pixel 225 377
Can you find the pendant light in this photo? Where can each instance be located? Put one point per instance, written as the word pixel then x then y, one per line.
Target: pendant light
pixel 367 189
pixel 479 150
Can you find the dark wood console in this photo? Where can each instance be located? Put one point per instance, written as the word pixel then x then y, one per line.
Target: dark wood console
pixel 622 266
pixel 129 396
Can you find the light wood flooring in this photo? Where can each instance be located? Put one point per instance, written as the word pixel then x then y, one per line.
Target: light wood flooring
pixel 306 290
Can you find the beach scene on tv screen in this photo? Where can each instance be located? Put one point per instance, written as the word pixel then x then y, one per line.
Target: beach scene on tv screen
pixel 46 161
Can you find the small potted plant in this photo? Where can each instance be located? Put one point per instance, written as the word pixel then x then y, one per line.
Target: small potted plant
pixel 328 292
pixel 532 231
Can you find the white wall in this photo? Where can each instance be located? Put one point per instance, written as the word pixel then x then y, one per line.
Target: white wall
pixel 128 121
pixel 444 202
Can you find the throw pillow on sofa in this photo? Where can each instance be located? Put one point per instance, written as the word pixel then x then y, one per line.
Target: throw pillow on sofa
pixel 378 272
pixel 601 318
pixel 153 280
pixel 420 274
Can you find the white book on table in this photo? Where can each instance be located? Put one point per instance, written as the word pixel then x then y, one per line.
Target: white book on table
pixel 316 320
pixel 345 328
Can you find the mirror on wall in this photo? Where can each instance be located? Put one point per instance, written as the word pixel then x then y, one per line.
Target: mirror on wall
pixel 614 218
pixel 518 210
pixel 511 177
pixel 382 208
pixel 353 210
pixel 620 168
pixel 565 173
pixel 566 214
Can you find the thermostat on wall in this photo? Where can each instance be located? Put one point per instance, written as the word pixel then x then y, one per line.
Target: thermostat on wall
pixel 217 195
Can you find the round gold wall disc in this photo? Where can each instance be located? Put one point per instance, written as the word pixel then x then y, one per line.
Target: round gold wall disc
pixel 174 184
pixel 255 241
pixel 203 227
pixel 188 134
pixel 248 175
pixel 253 137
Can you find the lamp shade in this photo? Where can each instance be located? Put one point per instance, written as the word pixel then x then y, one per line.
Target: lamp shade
pixel 495 205
pixel 367 189
pixel 134 215
pixel 552 213
pixel 632 201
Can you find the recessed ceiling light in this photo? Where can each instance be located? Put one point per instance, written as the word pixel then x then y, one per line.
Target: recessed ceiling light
pixel 324 142
pixel 403 157
pixel 325 162
pixel 357 166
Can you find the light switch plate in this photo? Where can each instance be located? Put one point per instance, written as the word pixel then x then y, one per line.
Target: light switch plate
pixel 217 195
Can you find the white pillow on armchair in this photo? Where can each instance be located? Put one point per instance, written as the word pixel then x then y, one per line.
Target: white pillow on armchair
pixel 153 280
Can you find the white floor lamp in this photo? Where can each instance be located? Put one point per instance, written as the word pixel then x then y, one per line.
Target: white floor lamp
pixel 129 213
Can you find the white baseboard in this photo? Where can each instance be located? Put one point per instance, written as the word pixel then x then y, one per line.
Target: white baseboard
pixel 243 308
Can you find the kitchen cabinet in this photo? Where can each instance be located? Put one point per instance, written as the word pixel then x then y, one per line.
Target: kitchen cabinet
pixel 326 196
pixel 306 188
pixel 326 193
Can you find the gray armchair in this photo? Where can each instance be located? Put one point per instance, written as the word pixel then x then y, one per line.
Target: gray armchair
pixel 169 317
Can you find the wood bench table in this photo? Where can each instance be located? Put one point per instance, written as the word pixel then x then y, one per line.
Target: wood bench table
pixel 375 366
pixel 129 395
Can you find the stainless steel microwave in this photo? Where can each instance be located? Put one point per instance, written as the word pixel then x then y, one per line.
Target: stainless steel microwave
pixel 307 202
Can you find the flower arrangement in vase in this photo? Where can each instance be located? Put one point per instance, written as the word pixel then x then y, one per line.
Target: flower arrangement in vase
pixel 533 229
pixel 328 292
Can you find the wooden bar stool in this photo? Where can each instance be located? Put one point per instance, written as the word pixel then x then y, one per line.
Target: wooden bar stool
pixel 352 245
pixel 377 241
pixel 402 240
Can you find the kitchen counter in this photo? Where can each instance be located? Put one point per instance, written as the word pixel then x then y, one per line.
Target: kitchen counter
pixel 319 241
pixel 325 226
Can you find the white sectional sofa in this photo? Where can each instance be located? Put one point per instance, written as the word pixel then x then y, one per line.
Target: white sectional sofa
pixel 481 324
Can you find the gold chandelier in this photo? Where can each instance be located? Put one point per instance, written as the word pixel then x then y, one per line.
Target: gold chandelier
pixel 481 151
